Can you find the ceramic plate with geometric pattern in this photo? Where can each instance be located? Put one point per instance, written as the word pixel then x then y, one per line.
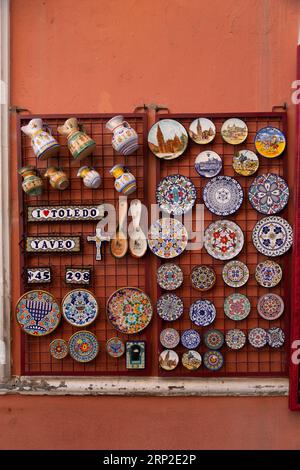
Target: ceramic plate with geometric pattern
pixel 190 339
pixel 169 307
pixel 169 276
pixel 257 337
pixel 270 306
pixel 223 195
pixel 269 193
pixel 203 277
pixel 59 348
pixel 237 307
pixel 213 360
pixel 202 312
pixel 223 239
pixel 235 273
pixel 167 238
pixel 169 338
pixel 268 273
pixel 213 339
pixel 235 339
pixel 272 236
pixel 83 346
pixel 276 337
pixel 176 194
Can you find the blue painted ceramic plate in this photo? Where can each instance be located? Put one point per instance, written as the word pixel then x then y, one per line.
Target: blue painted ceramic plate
pixel 176 194
pixel 169 307
pixel 190 339
pixel 268 273
pixel 272 236
pixel 83 346
pixel 202 312
pixel 169 276
pixel 208 164
pixel 169 338
pixel 257 337
pixel 223 195
pixel 79 307
pixel 275 337
pixel 235 339
pixel 115 347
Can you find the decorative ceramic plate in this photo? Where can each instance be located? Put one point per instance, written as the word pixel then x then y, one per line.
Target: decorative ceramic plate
pixel 235 339
pixel 169 276
pixel 272 236
pixel 257 337
pixel 213 339
pixel 59 348
pixel 213 360
pixel 191 360
pixel 202 312
pixel 79 307
pixel 269 193
pixel 235 273
pixel 190 339
pixel 203 277
pixel 129 310
pixel 167 238
pixel 37 313
pixel 202 130
pixel 83 346
pixel 275 337
pixel 270 142
pixel 234 131
pixel 245 162
pixel 168 359
pixel 208 164
pixel 169 338
pixel 167 139
pixel 268 273
pixel 176 194
pixel 115 347
pixel 270 306
pixel 237 307
pixel 169 307
pixel 223 239
pixel 223 195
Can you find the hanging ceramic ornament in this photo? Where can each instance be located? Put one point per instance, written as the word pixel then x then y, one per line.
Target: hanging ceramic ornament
pixel 115 347
pixel 268 194
pixel 168 359
pixel 167 139
pixel 83 346
pixel 237 307
pixel 90 177
pixel 137 242
pixel 213 360
pixel 125 138
pixel 234 131
pixel 125 182
pixel 208 164
pixel 167 238
pixel 191 360
pixel 58 178
pixel 176 194
pixel 235 339
pixel 59 348
pixel 223 239
pixel 202 312
pixel 272 236
pixel 270 142
pixel 79 307
pixel 79 143
pixel 235 273
pixel 202 130
pixel 270 306
pixel 32 184
pixel 119 244
pixel 169 276
pixel 268 273
pixel 223 195
pixel 43 143
pixel 245 162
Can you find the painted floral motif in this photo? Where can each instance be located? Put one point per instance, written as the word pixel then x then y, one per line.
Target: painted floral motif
pixel 169 307
pixel 38 313
pixel 169 276
pixel 270 306
pixel 235 273
pixel 223 239
pixel 168 359
pixel 83 346
pixel 213 360
pixel 190 339
pixel 202 312
pixel 223 195
pixel 272 236
pixel 59 348
pixel 167 238
pixel 191 360
pixel 257 337
pixel 214 339
pixel 203 277
pixel 269 193
pixel 169 338
pixel 79 307
pixel 176 194
pixel 235 339
pixel 115 347
pixel 270 142
pixel 268 273
pixel 275 337
pixel 237 307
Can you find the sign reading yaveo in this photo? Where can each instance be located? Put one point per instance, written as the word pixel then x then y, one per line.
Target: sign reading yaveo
pixel 65 213
pixel 52 244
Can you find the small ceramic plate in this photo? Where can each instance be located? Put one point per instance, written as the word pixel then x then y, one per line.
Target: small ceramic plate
pixel 169 338
pixel 275 337
pixel 167 238
pixel 83 346
pixel 223 195
pixel 203 277
pixel 234 131
pixel 213 360
pixel 208 164
pixel 270 306
pixel 270 142
pixel 202 130
pixel 167 139
pixel 168 359
pixel 237 307
pixel 268 273
pixel 79 307
pixel 190 339
pixel 169 307
pixel 235 339
pixel 169 276
pixel 191 360
pixel 213 339
pixel 272 236
pixel 245 162
pixel 235 273
pixel 176 194
pixel 223 239
pixel 269 193
pixel 59 348
pixel 202 312
pixel 257 337
pixel 115 347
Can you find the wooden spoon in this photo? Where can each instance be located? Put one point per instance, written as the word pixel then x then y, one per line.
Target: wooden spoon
pixel 119 244
pixel 138 242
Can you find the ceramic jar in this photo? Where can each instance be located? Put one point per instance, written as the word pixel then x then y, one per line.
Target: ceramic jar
pixel 91 178
pixel 32 183
pixel 79 143
pixel 125 182
pixel 125 138
pixel 42 142
pixel 58 178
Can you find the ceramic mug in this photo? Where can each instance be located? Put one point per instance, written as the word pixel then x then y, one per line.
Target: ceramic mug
pixel 43 143
pixel 79 143
pixel 125 138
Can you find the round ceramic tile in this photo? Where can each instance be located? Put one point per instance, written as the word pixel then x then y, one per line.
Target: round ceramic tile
pixel 213 360
pixel 79 307
pixel 269 193
pixel 37 313
pixel 208 164
pixel 237 307
pixel 270 306
pixel 176 194
pixel 129 310
pixel 202 130
pixel 272 236
pixel 275 337
pixel 203 277
pixel 83 346
pixel 268 273
pixel 202 312
pixel 223 195
pixel 167 238
pixel 115 347
pixel 213 339
pixel 169 276
pixel 234 131
pixel 169 307
pixel 257 337
pixel 168 359
pixel 223 239
pixel 190 339
pixel 169 338
pixel 270 142
pixel 191 360
pixel 235 339
pixel 59 348
pixel 245 162
pixel 167 139
pixel 235 273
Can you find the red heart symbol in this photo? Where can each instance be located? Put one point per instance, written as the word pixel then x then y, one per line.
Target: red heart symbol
pixel 46 212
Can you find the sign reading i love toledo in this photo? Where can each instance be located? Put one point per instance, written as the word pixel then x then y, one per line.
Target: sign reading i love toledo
pixel 65 213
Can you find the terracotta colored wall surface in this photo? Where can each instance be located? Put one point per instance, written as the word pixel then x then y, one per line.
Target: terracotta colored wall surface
pixel 109 56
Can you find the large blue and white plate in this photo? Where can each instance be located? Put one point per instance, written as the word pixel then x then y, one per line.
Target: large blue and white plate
pixel 272 236
pixel 202 312
pixel 269 193
pixel 190 339
pixel 79 307
pixel 223 195
pixel 176 194
pixel 169 307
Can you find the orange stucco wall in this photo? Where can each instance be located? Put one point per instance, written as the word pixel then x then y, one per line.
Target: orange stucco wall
pixel 109 56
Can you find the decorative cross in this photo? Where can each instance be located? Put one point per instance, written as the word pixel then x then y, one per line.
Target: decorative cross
pixel 98 239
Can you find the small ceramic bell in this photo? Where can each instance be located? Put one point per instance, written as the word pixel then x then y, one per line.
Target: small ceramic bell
pixel 79 143
pixel 90 177
pixel 125 138
pixel 32 184
pixel 125 182
pixel 58 178
pixel 43 144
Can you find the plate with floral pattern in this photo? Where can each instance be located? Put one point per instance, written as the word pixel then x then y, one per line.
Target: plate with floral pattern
pixel 235 339
pixel 213 339
pixel 169 276
pixel 275 337
pixel 168 359
pixel 208 164
pixel 59 348
pixel 223 239
pixel 235 273
pixel 272 236
pixel 190 339
pixel 167 238
pixel 167 139
pixel 213 360
pixel 115 347
pixel 169 338
pixel 191 360
pixel 268 273
pixel 83 346
pixel 203 277
pixel 237 307
pixel 234 131
pixel 270 142
pixel 245 162
pixel 269 193
pixel 169 307
pixel 270 306
pixel 202 312
pixel 79 307
pixel 176 194
pixel 202 130
pixel 223 195
pixel 257 337
pixel 129 310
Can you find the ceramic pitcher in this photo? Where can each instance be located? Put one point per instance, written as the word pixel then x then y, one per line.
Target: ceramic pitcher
pixel 43 143
pixel 32 184
pixel 125 182
pixel 125 138
pixel 79 143
pixel 91 178
pixel 58 178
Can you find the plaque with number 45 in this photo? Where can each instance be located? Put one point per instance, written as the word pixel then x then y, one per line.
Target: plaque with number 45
pixel 38 275
pixel 78 275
